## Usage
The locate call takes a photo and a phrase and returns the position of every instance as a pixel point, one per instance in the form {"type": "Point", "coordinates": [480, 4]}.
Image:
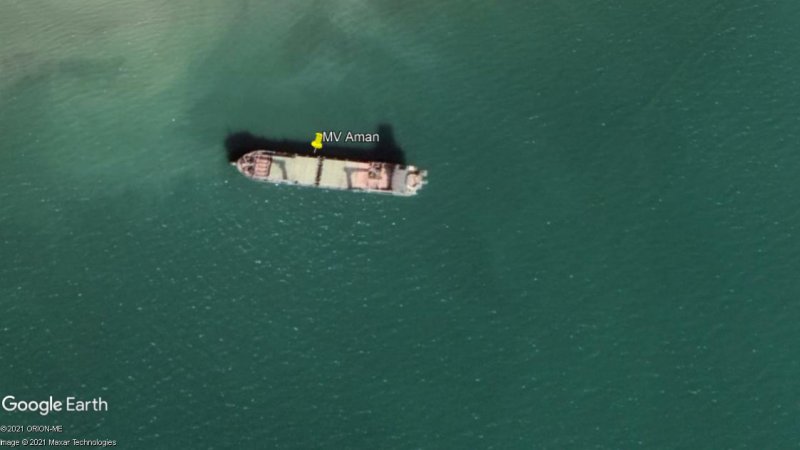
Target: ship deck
{"type": "Point", "coordinates": [317, 171]}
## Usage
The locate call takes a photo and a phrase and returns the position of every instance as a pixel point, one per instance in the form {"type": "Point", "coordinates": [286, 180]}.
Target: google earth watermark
{"type": "Point", "coordinates": [45, 407]}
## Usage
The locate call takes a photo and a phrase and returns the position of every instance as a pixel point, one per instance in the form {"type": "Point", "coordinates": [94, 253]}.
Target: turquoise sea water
{"type": "Point", "coordinates": [606, 255]}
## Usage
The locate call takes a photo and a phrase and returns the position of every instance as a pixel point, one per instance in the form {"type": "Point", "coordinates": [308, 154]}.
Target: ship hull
{"type": "Point", "coordinates": [326, 173]}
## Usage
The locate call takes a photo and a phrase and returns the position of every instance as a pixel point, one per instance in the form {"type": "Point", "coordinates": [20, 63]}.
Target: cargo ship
{"type": "Point", "coordinates": [328, 173]}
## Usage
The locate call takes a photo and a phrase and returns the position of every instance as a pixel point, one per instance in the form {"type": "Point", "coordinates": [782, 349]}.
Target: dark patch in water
{"type": "Point", "coordinates": [387, 150]}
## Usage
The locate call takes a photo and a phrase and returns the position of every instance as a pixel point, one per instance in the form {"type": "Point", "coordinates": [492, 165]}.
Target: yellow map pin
{"type": "Point", "coordinates": [317, 142]}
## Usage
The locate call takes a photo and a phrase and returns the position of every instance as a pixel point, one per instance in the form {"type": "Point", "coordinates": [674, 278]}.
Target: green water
{"type": "Point", "coordinates": [605, 257]}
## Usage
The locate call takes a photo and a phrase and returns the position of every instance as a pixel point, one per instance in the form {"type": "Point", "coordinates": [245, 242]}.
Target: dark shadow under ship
{"type": "Point", "coordinates": [386, 150]}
